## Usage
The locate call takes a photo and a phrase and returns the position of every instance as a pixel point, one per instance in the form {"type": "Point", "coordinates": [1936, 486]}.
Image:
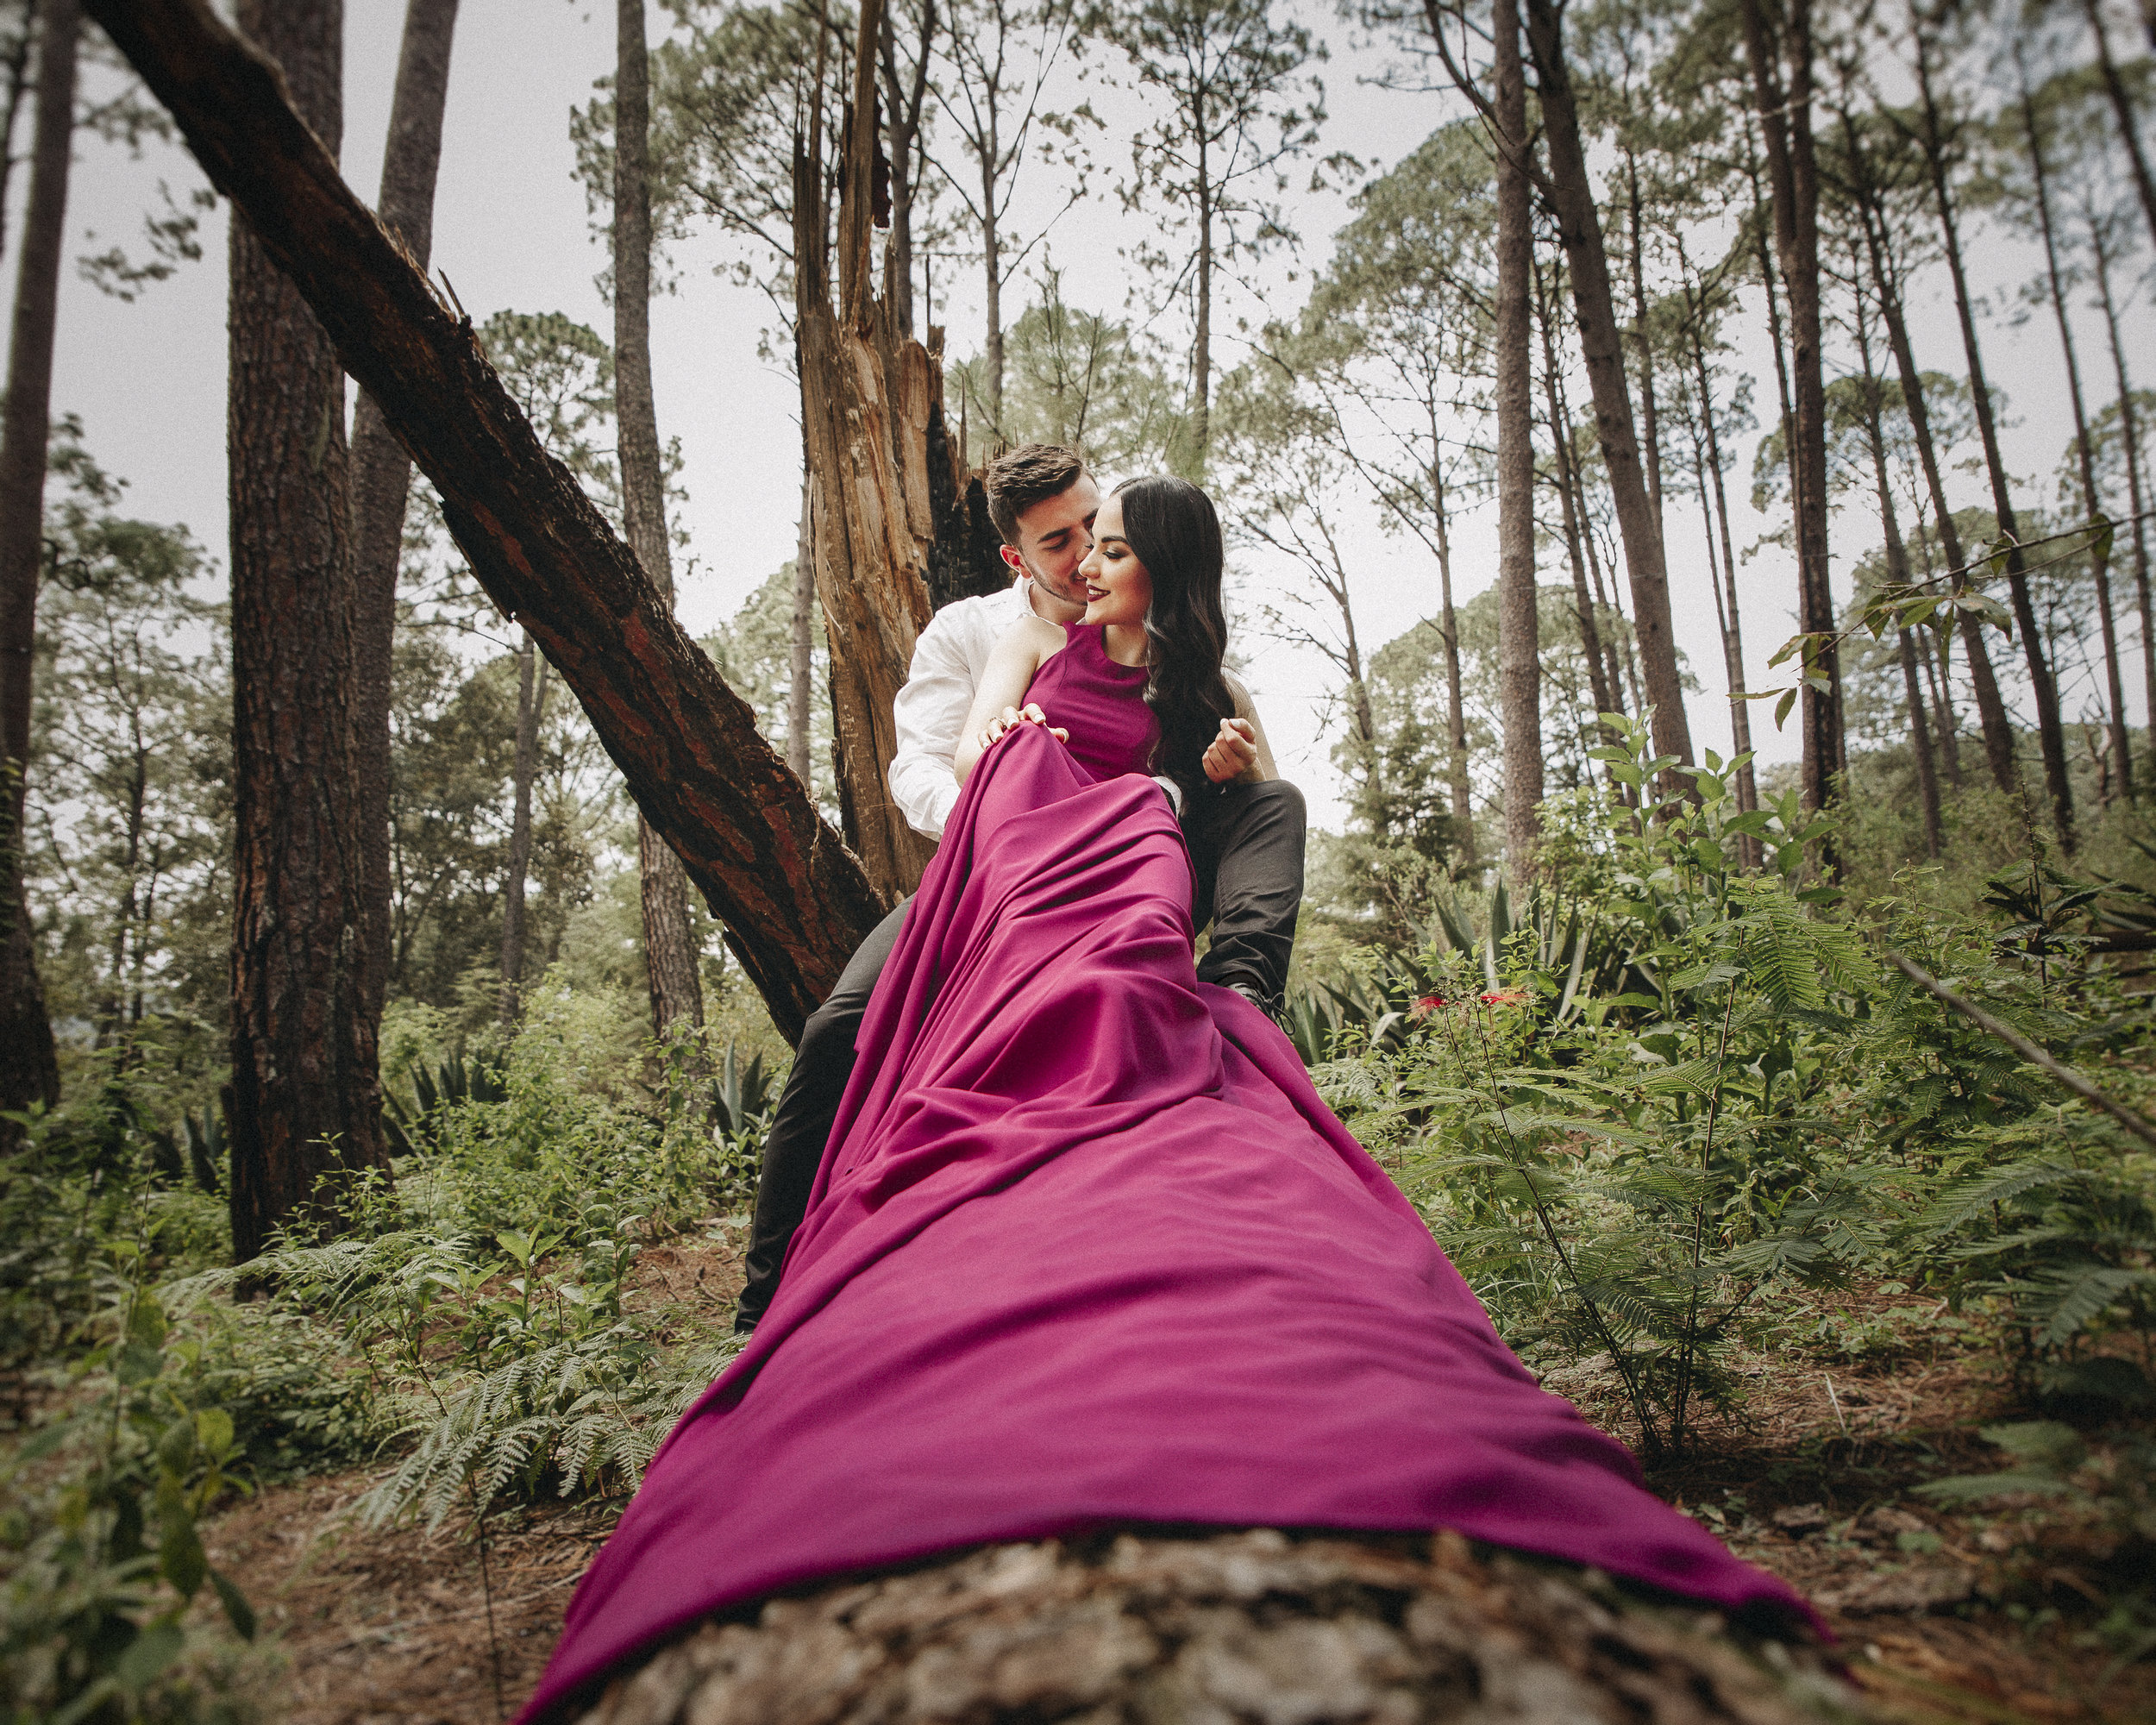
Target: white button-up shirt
{"type": "Point", "coordinates": [949, 658]}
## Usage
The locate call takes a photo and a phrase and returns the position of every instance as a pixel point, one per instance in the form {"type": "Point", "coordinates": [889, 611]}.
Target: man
{"type": "Point", "coordinates": [1246, 840]}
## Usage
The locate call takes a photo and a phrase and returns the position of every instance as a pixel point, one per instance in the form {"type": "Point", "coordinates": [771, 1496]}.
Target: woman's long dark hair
{"type": "Point", "coordinates": [1173, 529]}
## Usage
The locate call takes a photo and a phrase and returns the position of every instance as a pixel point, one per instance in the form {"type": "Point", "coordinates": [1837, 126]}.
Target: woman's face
{"type": "Point", "coordinates": [1118, 589]}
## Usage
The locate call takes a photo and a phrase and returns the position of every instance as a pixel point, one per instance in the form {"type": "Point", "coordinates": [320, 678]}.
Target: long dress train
{"type": "Point", "coordinates": [1088, 1249]}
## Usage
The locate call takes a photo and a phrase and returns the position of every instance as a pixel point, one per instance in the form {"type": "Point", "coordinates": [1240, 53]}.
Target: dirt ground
{"type": "Point", "coordinates": [392, 1628]}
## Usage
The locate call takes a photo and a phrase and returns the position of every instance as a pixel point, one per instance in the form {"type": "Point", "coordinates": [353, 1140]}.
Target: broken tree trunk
{"type": "Point", "coordinates": [795, 901]}
{"type": "Point", "coordinates": [871, 415]}
{"type": "Point", "coordinates": [1230, 1626]}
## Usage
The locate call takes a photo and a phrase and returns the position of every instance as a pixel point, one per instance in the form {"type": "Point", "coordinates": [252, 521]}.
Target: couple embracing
{"type": "Point", "coordinates": [1068, 1240]}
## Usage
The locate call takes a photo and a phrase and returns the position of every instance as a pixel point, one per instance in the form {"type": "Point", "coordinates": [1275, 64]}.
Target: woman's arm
{"type": "Point", "coordinates": [1003, 686]}
{"type": "Point", "coordinates": [1240, 755]}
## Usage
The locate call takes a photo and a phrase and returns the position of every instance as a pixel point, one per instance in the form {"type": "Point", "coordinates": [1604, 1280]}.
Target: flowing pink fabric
{"type": "Point", "coordinates": [1088, 1249]}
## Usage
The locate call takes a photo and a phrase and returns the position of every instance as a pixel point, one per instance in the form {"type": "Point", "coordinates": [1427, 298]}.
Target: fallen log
{"type": "Point", "coordinates": [794, 900]}
{"type": "Point", "coordinates": [1252, 1626]}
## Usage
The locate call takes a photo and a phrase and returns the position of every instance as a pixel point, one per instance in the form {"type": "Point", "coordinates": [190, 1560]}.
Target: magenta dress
{"type": "Point", "coordinates": [1088, 1249]}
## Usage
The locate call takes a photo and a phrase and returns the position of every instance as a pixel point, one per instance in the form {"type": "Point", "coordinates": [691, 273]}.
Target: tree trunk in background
{"type": "Point", "coordinates": [670, 958]}
{"type": "Point", "coordinates": [2123, 109]}
{"type": "Point", "coordinates": [800, 702]}
{"type": "Point", "coordinates": [1561, 443]}
{"type": "Point", "coordinates": [381, 472]}
{"type": "Point", "coordinates": [29, 1068]}
{"type": "Point", "coordinates": [1572, 198]}
{"type": "Point", "coordinates": [2129, 434]}
{"type": "Point", "coordinates": [1519, 661]}
{"type": "Point", "coordinates": [1650, 432]}
{"type": "Point", "coordinates": [1781, 79]}
{"type": "Point", "coordinates": [19, 87]}
{"type": "Point", "coordinates": [872, 414]}
{"type": "Point", "coordinates": [2050, 733]}
{"type": "Point", "coordinates": [1991, 714]}
{"type": "Point", "coordinates": [305, 1099]}
{"type": "Point", "coordinates": [531, 694]}
{"type": "Point", "coordinates": [1732, 624]}
{"type": "Point", "coordinates": [1455, 704]}
{"type": "Point", "coordinates": [795, 900]}
{"type": "Point", "coordinates": [903, 96]}
{"type": "Point", "coordinates": [1897, 567]}
{"type": "Point", "coordinates": [2099, 550]}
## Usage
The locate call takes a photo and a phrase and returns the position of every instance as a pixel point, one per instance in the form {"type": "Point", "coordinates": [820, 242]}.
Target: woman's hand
{"type": "Point", "coordinates": [1012, 717]}
{"type": "Point", "coordinates": [1233, 753]}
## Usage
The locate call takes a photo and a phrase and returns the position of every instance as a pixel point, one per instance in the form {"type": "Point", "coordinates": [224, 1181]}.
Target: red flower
{"type": "Point", "coordinates": [1508, 997]}
{"type": "Point", "coordinates": [1429, 1004]}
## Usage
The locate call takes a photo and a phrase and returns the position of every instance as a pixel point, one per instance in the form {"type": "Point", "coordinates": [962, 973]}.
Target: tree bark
{"type": "Point", "coordinates": [30, 1068]}
{"type": "Point", "coordinates": [1780, 50]}
{"type": "Point", "coordinates": [305, 1096]}
{"type": "Point", "coordinates": [670, 960]}
{"type": "Point", "coordinates": [1571, 196]}
{"type": "Point", "coordinates": [1211, 1626]}
{"type": "Point", "coordinates": [381, 472]}
{"type": "Point", "coordinates": [1991, 715]}
{"type": "Point", "coordinates": [2050, 734]}
{"type": "Point", "coordinates": [800, 705]}
{"type": "Point", "coordinates": [871, 413]}
{"type": "Point", "coordinates": [2129, 434]}
{"type": "Point", "coordinates": [1518, 663]}
{"type": "Point", "coordinates": [531, 694]}
{"type": "Point", "coordinates": [795, 901]}
{"type": "Point", "coordinates": [2100, 548]}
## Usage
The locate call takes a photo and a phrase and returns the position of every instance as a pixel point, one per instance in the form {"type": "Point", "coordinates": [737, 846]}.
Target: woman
{"type": "Point", "coordinates": [1087, 1248]}
{"type": "Point", "coordinates": [1162, 635]}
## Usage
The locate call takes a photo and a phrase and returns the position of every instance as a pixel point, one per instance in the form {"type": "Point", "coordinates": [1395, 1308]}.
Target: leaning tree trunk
{"type": "Point", "coordinates": [381, 472]}
{"type": "Point", "coordinates": [1785, 114]}
{"type": "Point", "coordinates": [1230, 1626]}
{"type": "Point", "coordinates": [30, 1068]}
{"type": "Point", "coordinates": [1571, 196]}
{"type": "Point", "coordinates": [795, 901]}
{"type": "Point", "coordinates": [1519, 664]}
{"type": "Point", "coordinates": [305, 1097]}
{"type": "Point", "coordinates": [670, 964]}
{"type": "Point", "coordinates": [871, 408]}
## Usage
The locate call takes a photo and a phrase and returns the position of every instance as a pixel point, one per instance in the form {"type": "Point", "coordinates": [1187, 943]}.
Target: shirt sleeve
{"type": "Point", "coordinates": [930, 711]}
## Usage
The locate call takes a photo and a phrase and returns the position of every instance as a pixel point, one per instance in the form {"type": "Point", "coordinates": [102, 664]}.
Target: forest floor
{"type": "Point", "coordinates": [1814, 1482]}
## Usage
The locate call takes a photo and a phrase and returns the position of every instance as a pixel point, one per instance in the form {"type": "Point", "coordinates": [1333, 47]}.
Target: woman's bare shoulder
{"type": "Point", "coordinates": [1033, 636]}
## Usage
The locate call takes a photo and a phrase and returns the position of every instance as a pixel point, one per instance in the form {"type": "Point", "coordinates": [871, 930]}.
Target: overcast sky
{"type": "Point", "coordinates": [511, 231]}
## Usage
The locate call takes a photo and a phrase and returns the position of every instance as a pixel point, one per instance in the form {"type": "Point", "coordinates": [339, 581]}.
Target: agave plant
{"type": "Point", "coordinates": [455, 1081]}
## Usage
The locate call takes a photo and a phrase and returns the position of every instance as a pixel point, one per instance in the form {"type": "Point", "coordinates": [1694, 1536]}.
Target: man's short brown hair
{"type": "Point", "coordinates": [1019, 478]}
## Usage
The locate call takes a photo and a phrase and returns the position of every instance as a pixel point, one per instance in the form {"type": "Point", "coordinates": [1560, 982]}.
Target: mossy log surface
{"type": "Point", "coordinates": [1146, 1628]}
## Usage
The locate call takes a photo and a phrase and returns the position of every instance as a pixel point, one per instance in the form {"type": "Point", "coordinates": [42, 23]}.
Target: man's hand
{"type": "Point", "coordinates": [1233, 753]}
{"type": "Point", "coordinates": [1012, 717]}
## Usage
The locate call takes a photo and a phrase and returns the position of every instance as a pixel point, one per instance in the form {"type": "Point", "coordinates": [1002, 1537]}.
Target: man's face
{"type": "Point", "coordinates": [1054, 537]}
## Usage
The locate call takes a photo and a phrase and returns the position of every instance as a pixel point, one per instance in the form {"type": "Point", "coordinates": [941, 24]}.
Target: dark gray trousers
{"type": "Point", "coordinates": [1246, 857]}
